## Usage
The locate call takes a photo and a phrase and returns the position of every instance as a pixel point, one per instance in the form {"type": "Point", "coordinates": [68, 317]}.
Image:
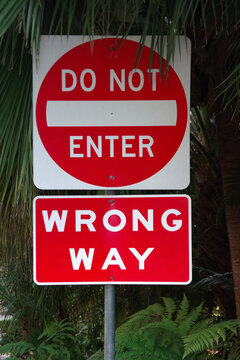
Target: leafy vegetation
{"type": "Point", "coordinates": [213, 27]}
{"type": "Point", "coordinates": [55, 342]}
{"type": "Point", "coordinates": [37, 312]}
{"type": "Point", "coordinates": [170, 331]}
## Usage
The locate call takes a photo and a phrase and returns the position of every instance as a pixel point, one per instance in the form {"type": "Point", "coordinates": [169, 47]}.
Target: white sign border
{"type": "Point", "coordinates": [114, 282]}
{"type": "Point", "coordinates": [57, 178]}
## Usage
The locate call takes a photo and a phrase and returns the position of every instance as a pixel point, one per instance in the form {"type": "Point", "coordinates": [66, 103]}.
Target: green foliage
{"type": "Point", "coordinates": [211, 256]}
{"type": "Point", "coordinates": [99, 355]}
{"type": "Point", "coordinates": [33, 308]}
{"type": "Point", "coordinates": [234, 353]}
{"type": "Point", "coordinates": [207, 23]}
{"type": "Point", "coordinates": [172, 331]}
{"type": "Point", "coordinates": [22, 23]}
{"type": "Point", "coordinates": [156, 331]}
{"type": "Point", "coordinates": [209, 337]}
{"type": "Point", "coordinates": [17, 349]}
{"type": "Point", "coordinates": [56, 342]}
{"type": "Point", "coordinates": [213, 279]}
{"type": "Point", "coordinates": [141, 319]}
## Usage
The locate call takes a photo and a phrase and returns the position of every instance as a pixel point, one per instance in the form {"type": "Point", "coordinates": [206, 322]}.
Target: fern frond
{"type": "Point", "coordinates": [163, 354]}
{"type": "Point", "coordinates": [154, 338]}
{"type": "Point", "coordinates": [199, 325]}
{"type": "Point", "coordinates": [58, 331]}
{"type": "Point", "coordinates": [197, 342]}
{"type": "Point", "coordinates": [97, 356]}
{"type": "Point", "coordinates": [150, 345]}
{"type": "Point", "coordinates": [136, 321]}
{"type": "Point", "coordinates": [183, 310]}
{"type": "Point", "coordinates": [190, 320]}
{"type": "Point", "coordinates": [17, 348]}
{"type": "Point", "coordinates": [206, 338]}
{"type": "Point", "coordinates": [53, 351]}
{"type": "Point", "coordinates": [135, 344]}
{"type": "Point", "coordinates": [166, 324]}
{"type": "Point", "coordinates": [170, 307]}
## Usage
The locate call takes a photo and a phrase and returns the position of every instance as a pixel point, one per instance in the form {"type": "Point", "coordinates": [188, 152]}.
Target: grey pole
{"type": "Point", "coordinates": [109, 315]}
{"type": "Point", "coordinates": [109, 323]}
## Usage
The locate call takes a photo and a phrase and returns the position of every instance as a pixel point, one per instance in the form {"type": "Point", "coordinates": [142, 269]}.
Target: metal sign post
{"type": "Point", "coordinates": [138, 127]}
{"type": "Point", "coordinates": [109, 322]}
{"type": "Point", "coordinates": [109, 314]}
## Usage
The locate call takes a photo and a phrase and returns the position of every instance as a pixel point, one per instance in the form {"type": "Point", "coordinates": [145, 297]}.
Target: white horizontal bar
{"type": "Point", "coordinates": [112, 113]}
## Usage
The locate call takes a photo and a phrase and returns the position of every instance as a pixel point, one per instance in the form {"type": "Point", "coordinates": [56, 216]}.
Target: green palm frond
{"type": "Point", "coordinates": [213, 278]}
{"type": "Point", "coordinates": [202, 137]}
{"type": "Point", "coordinates": [230, 89]}
{"type": "Point", "coordinates": [206, 155]}
{"type": "Point", "coordinates": [10, 10]}
{"type": "Point", "coordinates": [15, 140]}
{"type": "Point", "coordinates": [24, 21]}
{"type": "Point", "coordinates": [21, 24]}
{"type": "Point", "coordinates": [155, 17]}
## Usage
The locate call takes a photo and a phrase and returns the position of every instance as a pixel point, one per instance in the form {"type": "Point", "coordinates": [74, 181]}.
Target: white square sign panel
{"type": "Point", "coordinates": [104, 121]}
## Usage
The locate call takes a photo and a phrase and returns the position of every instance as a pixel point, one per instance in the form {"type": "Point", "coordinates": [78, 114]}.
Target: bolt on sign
{"type": "Point", "coordinates": [101, 120]}
{"type": "Point", "coordinates": [119, 240]}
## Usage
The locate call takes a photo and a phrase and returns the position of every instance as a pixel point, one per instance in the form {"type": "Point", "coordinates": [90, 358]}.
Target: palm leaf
{"type": "Point", "coordinates": [21, 24]}
{"type": "Point", "coordinates": [15, 140]}
{"type": "Point", "coordinates": [225, 281]}
{"type": "Point", "coordinates": [229, 90]}
{"type": "Point", "coordinates": [31, 18]}
{"type": "Point", "coordinates": [9, 12]}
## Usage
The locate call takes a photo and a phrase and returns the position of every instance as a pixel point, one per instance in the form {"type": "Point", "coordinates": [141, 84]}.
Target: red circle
{"type": "Point", "coordinates": [109, 171]}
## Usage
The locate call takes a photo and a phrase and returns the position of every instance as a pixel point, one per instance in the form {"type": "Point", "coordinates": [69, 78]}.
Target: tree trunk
{"type": "Point", "coordinates": [233, 226]}
{"type": "Point", "coordinates": [229, 138]}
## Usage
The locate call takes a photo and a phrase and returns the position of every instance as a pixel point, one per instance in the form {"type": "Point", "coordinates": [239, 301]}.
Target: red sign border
{"type": "Point", "coordinates": [114, 282]}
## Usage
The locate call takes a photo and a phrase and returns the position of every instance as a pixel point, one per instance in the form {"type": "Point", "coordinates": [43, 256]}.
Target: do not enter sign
{"type": "Point", "coordinates": [101, 121]}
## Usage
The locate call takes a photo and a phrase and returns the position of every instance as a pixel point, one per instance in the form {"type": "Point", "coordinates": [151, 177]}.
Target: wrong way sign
{"type": "Point", "coordinates": [121, 239]}
{"type": "Point", "coordinates": [101, 121]}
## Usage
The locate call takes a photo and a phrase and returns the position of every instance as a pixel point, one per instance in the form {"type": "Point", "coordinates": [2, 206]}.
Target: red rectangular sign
{"type": "Point", "coordinates": [112, 239]}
